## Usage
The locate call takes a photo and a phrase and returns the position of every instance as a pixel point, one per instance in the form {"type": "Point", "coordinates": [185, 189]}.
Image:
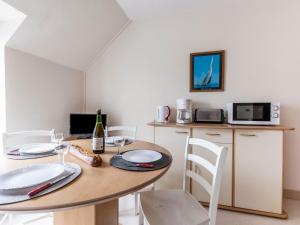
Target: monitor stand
{"type": "Point", "coordinates": [85, 136]}
{"type": "Point", "coordinates": [78, 136]}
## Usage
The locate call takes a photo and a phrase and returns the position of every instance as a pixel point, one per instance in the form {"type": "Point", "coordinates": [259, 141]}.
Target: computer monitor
{"type": "Point", "coordinates": [83, 124]}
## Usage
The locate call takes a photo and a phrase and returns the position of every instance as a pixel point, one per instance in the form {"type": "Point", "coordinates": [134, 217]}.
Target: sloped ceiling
{"type": "Point", "coordinates": [68, 32]}
{"type": "Point", "coordinates": [145, 9]}
{"type": "Point", "coordinates": [10, 19]}
{"type": "Point", "coordinates": [8, 13]}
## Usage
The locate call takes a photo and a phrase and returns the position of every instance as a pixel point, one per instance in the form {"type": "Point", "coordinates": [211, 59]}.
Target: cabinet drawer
{"type": "Point", "coordinates": [214, 135]}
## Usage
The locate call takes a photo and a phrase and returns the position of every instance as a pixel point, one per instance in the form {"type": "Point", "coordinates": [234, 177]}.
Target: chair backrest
{"type": "Point", "coordinates": [25, 134]}
{"type": "Point", "coordinates": [213, 188]}
{"type": "Point", "coordinates": [132, 130]}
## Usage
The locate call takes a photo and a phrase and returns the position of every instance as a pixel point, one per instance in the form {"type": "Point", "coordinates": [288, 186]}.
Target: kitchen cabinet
{"type": "Point", "coordinates": [252, 179]}
{"type": "Point", "coordinates": [258, 170]}
{"type": "Point", "coordinates": [174, 140]}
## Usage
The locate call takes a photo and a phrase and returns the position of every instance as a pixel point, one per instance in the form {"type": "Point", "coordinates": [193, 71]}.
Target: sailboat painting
{"type": "Point", "coordinates": [207, 71]}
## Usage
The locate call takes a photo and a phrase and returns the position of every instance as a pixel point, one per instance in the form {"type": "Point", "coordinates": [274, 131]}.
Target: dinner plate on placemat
{"type": "Point", "coordinates": [37, 148]}
{"type": "Point", "coordinates": [17, 155]}
{"type": "Point", "coordinates": [22, 196]}
{"type": "Point", "coordinates": [141, 156]}
{"type": "Point", "coordinates": [29, 176]}
{"type": "Point", "coordinates": [119, 162]}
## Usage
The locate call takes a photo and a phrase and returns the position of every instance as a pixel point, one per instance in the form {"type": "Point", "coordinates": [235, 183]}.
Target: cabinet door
{"type": "Point", "coordinates": [225, 197]}
{"type": "Point", "coordinates": [173, 139]}
{"type": "Point", "coordinates": [258, 170]}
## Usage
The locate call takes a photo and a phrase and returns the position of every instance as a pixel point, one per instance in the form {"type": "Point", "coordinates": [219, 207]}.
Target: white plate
{"type": "Point", "coordinates": [30, 176]}
{"type": "Point", "coordinates": [38, 148]}
{"type": "Point", "coordinates": [141, 156]}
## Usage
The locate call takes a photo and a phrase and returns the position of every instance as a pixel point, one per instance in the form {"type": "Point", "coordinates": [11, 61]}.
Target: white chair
{"type": "Point", "coordinates": [179, 207]}
{"type": "Point", "coordinates": [128, 129]}
{"type": "Point", "coordinates": [131, 130]}
{"type": "Point", "coordinates": [23, 134]}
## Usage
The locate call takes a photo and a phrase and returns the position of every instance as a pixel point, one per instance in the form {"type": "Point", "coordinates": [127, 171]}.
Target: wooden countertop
{"type": "Point", "coordinates": [220, 126]}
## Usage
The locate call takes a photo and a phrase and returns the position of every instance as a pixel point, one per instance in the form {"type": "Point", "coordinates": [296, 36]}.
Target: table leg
{"type": "Point", "coordinates": [101, 214]}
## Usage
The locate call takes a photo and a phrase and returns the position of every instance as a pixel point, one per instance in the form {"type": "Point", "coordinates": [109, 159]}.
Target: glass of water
{"type": "Point", "coordinates": [120, 142]}
{"type": "Point", "coordinates": [62, 152]}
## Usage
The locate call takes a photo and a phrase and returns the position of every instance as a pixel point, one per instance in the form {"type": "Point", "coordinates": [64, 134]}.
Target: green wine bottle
{"type": "Point", "coordinates": [98, 136]}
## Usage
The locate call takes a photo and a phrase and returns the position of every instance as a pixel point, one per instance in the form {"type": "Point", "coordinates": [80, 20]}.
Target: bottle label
{"type": "Point", "coordinates": [98, 144]}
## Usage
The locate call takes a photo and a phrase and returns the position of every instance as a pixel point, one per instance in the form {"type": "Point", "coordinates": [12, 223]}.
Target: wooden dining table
{"type": "Point", "coordinates": [92, 199]}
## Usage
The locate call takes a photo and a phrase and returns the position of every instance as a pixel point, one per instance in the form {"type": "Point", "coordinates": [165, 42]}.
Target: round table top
{"type": "Point", "coordinates": [95, 184]}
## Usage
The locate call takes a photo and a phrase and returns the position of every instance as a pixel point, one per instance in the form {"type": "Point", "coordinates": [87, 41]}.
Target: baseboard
{"type": "Point", "coordinates": [291, 194]}
{"type": "Point", "coordinates": [282, 215]}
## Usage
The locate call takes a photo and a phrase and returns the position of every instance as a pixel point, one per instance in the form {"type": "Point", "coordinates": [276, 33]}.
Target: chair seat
{"type": "Point", "coordinates": [176, 207]}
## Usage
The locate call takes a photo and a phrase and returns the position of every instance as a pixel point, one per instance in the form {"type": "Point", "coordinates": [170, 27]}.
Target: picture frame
{"type": "Point", "coordinates": [207, 71]}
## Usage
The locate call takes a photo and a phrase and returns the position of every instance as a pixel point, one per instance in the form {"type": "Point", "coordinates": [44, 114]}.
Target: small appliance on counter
{"type": "Point", "coordinates": [254, 113]}
{"type": "Point", "coordinates": [184, 110]}
{"type": "Point", "coordinates": [209, 115]}
{"type": "Point", "coordinates": [162, 114]}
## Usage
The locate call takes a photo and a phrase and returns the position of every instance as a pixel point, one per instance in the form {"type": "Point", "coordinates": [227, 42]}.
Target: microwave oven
{"type": "Point", "coordinates": [258, 113]}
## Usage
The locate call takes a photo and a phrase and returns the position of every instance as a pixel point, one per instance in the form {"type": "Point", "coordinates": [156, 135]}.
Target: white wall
{"type": "Point", "coordinates": [10, 19]}
{"type": "Point", "coordinates": [148, 65]}
{"type": "Point", "coordinates": [39, 93]}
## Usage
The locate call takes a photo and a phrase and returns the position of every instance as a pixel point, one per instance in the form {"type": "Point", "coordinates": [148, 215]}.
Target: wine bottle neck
{"type": "Point", "coordinates": [99, 118]}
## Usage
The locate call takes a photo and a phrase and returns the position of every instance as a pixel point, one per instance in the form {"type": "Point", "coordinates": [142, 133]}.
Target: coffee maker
{"type": "Point", "coordinates": [184, 110]}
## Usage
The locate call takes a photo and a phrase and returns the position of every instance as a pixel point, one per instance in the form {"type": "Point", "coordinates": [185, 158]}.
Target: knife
{"type": "Point", "coordinates": [43, 187]}
{"type": "Point", "coordinates": [142, 165]}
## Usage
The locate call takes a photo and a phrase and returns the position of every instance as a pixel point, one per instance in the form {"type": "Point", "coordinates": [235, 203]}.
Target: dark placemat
{"type": "Point", "coordinates": [118, 162]}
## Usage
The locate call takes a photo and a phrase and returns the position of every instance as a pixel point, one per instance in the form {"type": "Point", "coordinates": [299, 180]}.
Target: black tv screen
{"type": "Point", "coordinates": [84, 123]}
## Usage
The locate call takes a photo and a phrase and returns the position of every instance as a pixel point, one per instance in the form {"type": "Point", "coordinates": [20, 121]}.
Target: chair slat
{"type": "Point", "coordinates": [122, 128]}
{"type": "Point", "coordinates": [203, 162]}
{"type": "Point", "coordinates": [206, 144]}
{"type": "Point", "coordinates": [200, 180]}
{"type": "Point", "coordinates": [29, 133]}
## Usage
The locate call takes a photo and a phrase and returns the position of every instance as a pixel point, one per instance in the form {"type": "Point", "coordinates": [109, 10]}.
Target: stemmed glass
{"type": "Point", "coordinates": [120, 142]}
{"type": "Point", "coordinates": [62, 152]}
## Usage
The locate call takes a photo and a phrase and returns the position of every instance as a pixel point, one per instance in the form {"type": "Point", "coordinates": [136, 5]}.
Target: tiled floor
{"type": "Point", "coordinates": [224, 217]}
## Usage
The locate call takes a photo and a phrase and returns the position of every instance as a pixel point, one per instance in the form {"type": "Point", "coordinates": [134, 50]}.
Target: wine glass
{"type": "Point", "coordinates": [62, 152]}
{"type": "Point", "coordinates": [120, 142]}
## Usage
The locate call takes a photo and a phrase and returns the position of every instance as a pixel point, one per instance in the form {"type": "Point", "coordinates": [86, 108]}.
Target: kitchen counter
{"type": "Point", "coordinates": [221, 126]}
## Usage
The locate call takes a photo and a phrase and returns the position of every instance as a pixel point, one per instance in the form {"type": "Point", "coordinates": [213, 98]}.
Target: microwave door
{"type": "Point", "coordinates": [252, 112]}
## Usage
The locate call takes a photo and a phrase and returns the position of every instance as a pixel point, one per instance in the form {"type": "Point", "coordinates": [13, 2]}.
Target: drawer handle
{"type": "Point", "coordinates": [181, 132]}
{"type": "Point", "coordinates": [213, 134]}
{"type": "Point", "coordinates": [248, 135]}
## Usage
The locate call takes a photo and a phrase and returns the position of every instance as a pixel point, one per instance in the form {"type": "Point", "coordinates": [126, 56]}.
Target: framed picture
{"type": "Point", "coordinates": [207, 71]}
